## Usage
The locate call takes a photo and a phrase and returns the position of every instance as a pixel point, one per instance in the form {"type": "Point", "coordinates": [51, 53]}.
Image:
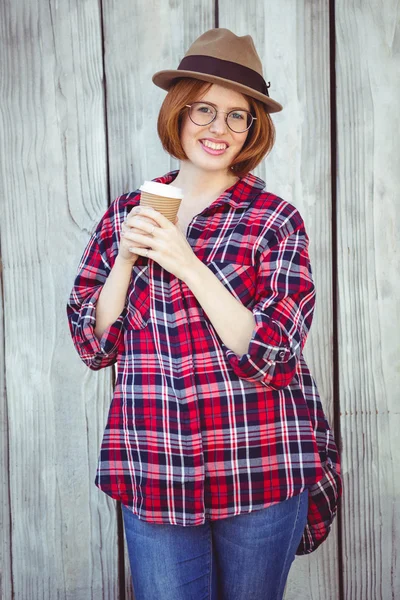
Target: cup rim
{"type": "Point", "coordinates": [162, 189]}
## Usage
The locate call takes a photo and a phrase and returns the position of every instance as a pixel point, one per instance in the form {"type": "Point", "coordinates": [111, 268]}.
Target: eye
{"type": "Point", "coordinates": [204, 108]}
{"type": "Point", "coordinates": [238, 116]}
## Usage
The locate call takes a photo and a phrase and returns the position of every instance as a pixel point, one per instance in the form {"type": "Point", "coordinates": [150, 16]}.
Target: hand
{"type": "Point", "coordinates": [167, 245]}
{"type": "Point", "coordinates": [126, 241]}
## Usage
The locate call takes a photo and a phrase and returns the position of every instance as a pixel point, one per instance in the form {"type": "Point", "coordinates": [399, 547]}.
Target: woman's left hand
{"type": "Point", "coordinates": [168, 246]}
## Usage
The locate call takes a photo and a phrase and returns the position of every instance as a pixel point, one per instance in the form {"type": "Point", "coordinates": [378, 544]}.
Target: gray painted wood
{"type": "Point", "coordinates": [63, 536]}
{"type": "Point", "coordinates": [59, 533]}
{"type": "Point", "coordinates": [368, 92]}
{"type": "Point", "coordinates": [293, 43]}
{"type": "Point", "coordinates": [133, 101]}
{"type": "Point", "coordinates": [5, 508]}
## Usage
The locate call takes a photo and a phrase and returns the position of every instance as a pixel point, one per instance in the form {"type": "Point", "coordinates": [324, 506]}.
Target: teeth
{"type": "Point", "coordinates": [214, 146]}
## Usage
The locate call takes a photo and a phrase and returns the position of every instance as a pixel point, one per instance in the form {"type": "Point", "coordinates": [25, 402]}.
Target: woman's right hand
{"type": "Point", "coordinates": [126, 242]}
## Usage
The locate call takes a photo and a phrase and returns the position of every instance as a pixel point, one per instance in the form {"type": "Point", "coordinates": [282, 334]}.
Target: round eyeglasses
{"type": "Point", "coordinates": [202, 113]}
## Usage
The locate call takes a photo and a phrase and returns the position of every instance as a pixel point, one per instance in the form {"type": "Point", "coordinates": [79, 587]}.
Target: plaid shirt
{"type": "Point", "coordinates": [194, 431]}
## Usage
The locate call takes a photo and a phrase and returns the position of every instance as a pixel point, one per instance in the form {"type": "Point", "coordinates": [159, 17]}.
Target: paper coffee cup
{"type": "Point", "coordinates": [164, 198]}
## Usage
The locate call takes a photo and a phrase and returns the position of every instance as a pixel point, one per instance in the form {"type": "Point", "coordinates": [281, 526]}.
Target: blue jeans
{"type": "Point", "coordinates": [245, 557]}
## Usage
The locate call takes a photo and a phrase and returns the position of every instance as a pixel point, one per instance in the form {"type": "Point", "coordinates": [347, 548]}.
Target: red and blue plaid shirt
{"type": "Point", "coordinates": [194, 431]}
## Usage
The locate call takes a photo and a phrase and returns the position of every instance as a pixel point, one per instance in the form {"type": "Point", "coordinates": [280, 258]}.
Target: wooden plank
{"type": "Point", "coordinates": [5, 510]}
{"type": "Point", "coordinates": [64, 542]}
{"type": "Point", "coordinates": [133, 101]}
{"type": "Point", "coordinates": [368, 91]}
{"type": "Point", "coordinates": [292, 39]}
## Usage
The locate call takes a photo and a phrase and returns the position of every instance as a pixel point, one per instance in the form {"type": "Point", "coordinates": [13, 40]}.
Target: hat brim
{"type": "Point", "coordinates": [164, 79]}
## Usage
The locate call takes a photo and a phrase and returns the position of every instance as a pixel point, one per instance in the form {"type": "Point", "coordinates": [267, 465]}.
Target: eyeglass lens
{"type": "Point", "coordinates": [202, 113]}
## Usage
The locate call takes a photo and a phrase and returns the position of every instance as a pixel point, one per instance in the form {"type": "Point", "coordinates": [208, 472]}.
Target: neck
{"type": "Point", "coordinates": [196, 182]}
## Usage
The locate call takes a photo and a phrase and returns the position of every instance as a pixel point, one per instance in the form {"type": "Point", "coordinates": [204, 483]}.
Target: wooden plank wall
{"type": "Point", "coordinates": [63, 539]}
{"type": "Point", "coordinates": [368, 176]}
{"type": "Point", "coordinates": [78, 117]}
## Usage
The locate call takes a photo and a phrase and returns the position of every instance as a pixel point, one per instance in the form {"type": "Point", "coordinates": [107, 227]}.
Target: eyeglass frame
{"type": "Point", "coordinates": [222, 111]}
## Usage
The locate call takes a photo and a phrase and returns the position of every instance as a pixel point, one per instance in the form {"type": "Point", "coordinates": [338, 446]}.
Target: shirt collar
{"type": "Point", "coordinates": [240, 194]}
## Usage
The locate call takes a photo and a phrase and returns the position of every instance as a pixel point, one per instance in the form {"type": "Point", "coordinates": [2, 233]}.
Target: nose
{"type": "Point", "coordinates": [219, 124]}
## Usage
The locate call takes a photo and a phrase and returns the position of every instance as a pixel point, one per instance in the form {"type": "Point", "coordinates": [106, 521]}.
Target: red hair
{"type": "Point", "coordinates": [260, 138]}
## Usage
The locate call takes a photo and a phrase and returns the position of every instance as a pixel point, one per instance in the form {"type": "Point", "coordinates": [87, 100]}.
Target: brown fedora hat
{"type": "Point", "coordinates": [219, 56]}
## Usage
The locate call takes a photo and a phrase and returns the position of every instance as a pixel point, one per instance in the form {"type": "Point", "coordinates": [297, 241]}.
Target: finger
{"type": "Point", "coordinates": [139, 237]}
{"type": "Point", "coordinates": [156, 216]}
{"type": "Point", "coordinates": [125, 228]}
{"type": "Point", "coordinates": [131, 221]}
{"type": "Point", "coordinates": [127, 231]}
{"type": "Point", "coordinates": [130, 233]}
{"type": "Point", "coordinates": [143, 224]}
{"type": "Point", "coordinates": [132, 212]}
{"type": "Point", "coordinates": [129, 243]}
{"type": "Point", "coordinates": [140, 251]}
{"type": "Point", "coordinates": [126, 238]}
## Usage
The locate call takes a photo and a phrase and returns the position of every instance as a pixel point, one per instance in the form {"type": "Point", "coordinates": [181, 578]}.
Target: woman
{"type": "Point", "coordinates": [216, 442]}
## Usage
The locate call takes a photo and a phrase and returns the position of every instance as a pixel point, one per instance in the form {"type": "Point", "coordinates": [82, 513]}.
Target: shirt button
{"type": "Point", "coordinates": [282, 353]}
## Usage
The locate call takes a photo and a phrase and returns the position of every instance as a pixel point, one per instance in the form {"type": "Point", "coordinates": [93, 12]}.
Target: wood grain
{"type": "Point", "coordinates": [74, 138]}
{"type": "Point", "coordinates": [5, 510]}
{"type": "Point", "coordinates": [63, 536]}
{"type": "Point", "coordinates": [293, 43]}
{"type": "Point", "coordinates": [368, 93]}
{"type": "Point", "coordinates": [133, 101]}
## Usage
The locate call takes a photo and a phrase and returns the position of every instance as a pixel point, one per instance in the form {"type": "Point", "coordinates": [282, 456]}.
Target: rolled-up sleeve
{"type": "Point", "coordinates": [93, 271]}
{"type": "Point", "coordinates": [283, 311]}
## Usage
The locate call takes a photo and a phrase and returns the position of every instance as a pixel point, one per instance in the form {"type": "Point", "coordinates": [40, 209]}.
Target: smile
{"type": "Point", "coordinates": [211, 148]}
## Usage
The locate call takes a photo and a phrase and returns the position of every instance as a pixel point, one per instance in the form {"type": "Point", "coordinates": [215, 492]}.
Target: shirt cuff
{"type": "Point", "coordinates": [108, 343]}
{"type": "Point", "coordinates": [265, 350]}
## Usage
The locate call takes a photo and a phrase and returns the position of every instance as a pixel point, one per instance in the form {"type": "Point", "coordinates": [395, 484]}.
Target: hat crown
{"type": "Point", "coordinates": [221, 57]}
{"type": "Point", "coordinates": [224, 44]}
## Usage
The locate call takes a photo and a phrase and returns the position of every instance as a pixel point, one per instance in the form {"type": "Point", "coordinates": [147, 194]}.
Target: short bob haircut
{"type": "Point", "coordinates": [260, 138]}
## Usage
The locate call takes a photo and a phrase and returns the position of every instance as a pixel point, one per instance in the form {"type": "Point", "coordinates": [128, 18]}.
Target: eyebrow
{"type": "Point", "coordinates": [229, 108]}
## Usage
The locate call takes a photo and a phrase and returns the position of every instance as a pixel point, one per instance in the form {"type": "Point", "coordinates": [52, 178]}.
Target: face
{"type": "Point", "coordinates": [193, 136]}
